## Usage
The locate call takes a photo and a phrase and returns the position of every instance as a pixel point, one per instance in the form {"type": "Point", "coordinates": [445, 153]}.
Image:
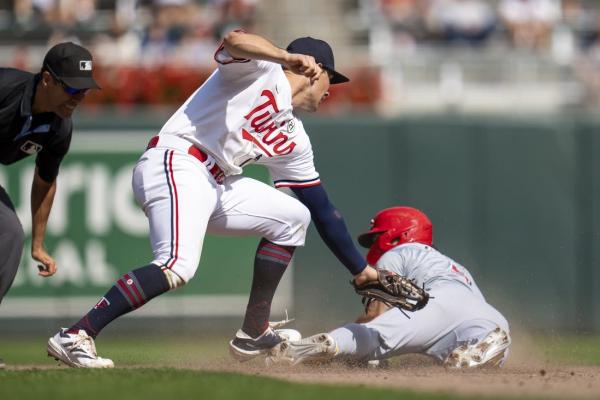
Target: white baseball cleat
{"type": "Point", "coordinates": [291, 335]}
{"type": "Point", "coordinates": [319, 347]}
{"type": "Point", "coordinates": [76, 350]}
{"type": "Point", "coordinates": [491, 351]}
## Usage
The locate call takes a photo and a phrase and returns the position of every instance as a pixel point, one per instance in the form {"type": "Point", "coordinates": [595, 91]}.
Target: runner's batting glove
{"type": "Point", "coordinates": [394, 290]}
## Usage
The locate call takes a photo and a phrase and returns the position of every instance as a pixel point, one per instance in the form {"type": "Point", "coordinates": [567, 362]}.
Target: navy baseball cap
{"type": "Point", "coordinates": [72, 64]}
{"type": "Point", "coordinates": [322, 53]}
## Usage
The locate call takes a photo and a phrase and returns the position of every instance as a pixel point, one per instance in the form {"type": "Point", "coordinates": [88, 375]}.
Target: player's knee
{"type": "Point", "coordinates": [175, 281]}
{"type": "Point", "coordinates": [300, 216]}
{"type": "Point", "coordinates": [179, 270]}
{"type": "Point", "coordinates": [299, 220]}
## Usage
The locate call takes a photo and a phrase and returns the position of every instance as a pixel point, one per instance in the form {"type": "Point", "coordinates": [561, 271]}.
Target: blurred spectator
{"type": "Point", "coordinates": [198, 44]}
{"type": "Point", "coordinates": [461, 21]}
{"type": "Point", "coordinates": [235, 14]}
{"type": "Point", "coordinates": [165, 30]}
{"type": "Point", "coordinates": [29, 14]}
{"type": "Point", "coordinates": [405, 19]}
{"type": "Point", "coordinates": [119, 46]}
{"type": "Point", "coordinates": [583, 20]}
{"type": "Point", "coordinates": [587, 65]}
{"type": "Point", "coordinates": [587, 70]}
{"type": "Point", "coordinates": [529, 22]}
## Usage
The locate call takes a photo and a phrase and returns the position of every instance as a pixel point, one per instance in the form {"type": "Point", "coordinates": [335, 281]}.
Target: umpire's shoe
{"type": "Point", "coordinates": [76, 350]}
{"type": "Point", "coordinates": [243, 347]}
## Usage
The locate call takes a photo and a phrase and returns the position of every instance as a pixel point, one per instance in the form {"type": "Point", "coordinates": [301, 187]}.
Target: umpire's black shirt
{"type": "Point", "coordinates": [23, 134]}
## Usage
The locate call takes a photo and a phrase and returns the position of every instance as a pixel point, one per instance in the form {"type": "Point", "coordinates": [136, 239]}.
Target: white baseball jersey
{"type": "Point", "coordinates": [456, 313]}
{"type": "Point", "coordinates": [243, 114]}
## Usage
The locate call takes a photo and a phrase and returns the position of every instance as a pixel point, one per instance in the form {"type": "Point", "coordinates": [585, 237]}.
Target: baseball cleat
{"type": "Point", "coordinates": [76, 350]}
{"type": "Point", "coordinates": [244, 347]}
{"type": "Point", "coordinates": [291, 335]}
{"type": "Point", "coordinates": [320, 347]}
{"type": "Point", "coordinates": [489, 352]}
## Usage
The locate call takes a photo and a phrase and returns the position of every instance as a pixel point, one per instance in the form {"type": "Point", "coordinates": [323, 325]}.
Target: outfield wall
{"type": "Point", "coordinates": [515, 200]}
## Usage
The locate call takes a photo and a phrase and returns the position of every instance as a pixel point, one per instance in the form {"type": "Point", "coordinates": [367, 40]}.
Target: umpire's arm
{"type": "Point", "coordinates": [42, 197]}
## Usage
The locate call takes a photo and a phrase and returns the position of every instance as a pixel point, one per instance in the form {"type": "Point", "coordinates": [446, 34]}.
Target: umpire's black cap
{"type": "Point", "coordinates": [322, 53]}
{"type": "Point", "coordinates": [72, 64]}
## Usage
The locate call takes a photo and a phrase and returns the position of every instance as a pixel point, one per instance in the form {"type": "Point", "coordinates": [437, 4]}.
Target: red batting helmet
{"type": "Point", "coordinates": [394, 226]}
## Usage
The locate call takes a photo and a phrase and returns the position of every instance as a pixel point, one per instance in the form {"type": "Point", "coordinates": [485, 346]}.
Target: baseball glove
{"type": "Point", "coordinates": [394, 290]}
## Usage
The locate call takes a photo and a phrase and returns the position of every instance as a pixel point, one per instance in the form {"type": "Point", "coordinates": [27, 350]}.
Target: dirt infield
{"type": "Point", "coordinates": [525, 374]}
{"type": "Point", "coordinates": [528, 372]}
{"type": "Point", "coordinates": [542, 381]}
{"type": "Point", "coordinates": [552, 382]}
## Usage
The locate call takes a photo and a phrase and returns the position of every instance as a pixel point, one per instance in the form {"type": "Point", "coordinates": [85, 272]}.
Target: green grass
{"type": "Point", "coordinates": [571, 349]}
{"type": "Point", "coordinates": [164, 384]}
{"type": "Point", "coordinates": [152, 351]}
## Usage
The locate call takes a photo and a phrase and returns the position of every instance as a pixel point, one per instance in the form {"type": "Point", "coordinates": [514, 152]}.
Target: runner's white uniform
{"type": "Point", "coordinates": [242, 114]}
{"type": "Point", "coordinates": [456, 314]}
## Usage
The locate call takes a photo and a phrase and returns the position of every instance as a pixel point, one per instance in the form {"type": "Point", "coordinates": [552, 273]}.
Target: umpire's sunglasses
{"type": "Point", "coordinates": [68, 89]}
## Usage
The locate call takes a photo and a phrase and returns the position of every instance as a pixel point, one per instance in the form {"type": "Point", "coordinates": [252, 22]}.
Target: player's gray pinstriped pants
{"type": "Point", "coordinates": [11, 243]}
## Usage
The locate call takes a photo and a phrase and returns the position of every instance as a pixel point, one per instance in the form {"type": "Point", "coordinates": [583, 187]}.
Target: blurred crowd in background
{"type": "Point", "coordinates": [158, 51]}
{"type": "Point", "coordinates": [140, 32]}
{"type": "Point", "coordinates": [521, 24]}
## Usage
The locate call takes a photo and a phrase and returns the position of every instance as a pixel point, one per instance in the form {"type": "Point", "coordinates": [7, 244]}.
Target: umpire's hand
{"type": "Point", "coordinates": [48, 265]}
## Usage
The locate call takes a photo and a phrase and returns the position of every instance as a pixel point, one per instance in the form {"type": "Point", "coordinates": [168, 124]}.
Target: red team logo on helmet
{"type": "Point", "coordinates": [394, 226]}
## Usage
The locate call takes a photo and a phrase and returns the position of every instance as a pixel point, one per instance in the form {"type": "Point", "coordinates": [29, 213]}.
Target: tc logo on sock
{"type": "Point", "coordinates": [102, 304]}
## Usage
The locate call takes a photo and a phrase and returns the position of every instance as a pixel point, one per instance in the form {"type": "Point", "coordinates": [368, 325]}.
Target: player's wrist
{"type": "Point", "coordinates": [366, 275]}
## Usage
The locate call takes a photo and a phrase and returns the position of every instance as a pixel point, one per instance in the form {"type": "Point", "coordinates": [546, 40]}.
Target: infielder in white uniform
{"type": "Point", "coordinates": [457, 326]}
{"type": "Point", "coordinates": [188, 183]}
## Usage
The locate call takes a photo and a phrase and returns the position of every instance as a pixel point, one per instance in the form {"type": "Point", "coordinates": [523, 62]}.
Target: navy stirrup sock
{"type": "Point", "coordinates": [270, 263]}
{"type": "Point", "coordinates": [132, 290]}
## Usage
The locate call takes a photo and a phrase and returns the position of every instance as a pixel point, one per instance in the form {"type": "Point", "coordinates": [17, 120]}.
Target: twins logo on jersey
{"type": "Point", "coordinates": [270, 134]}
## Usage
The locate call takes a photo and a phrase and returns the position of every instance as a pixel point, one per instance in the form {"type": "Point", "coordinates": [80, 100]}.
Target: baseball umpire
{"type": "Point", "coordinates": [188, 183]}
{"type": "Point", "coordinates": [456, 326]}
{"type": "Point", "coordinates": [35, 119]}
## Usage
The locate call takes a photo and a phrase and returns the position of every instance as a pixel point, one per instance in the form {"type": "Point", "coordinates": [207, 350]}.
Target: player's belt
{"type": "Point", "coordinates": [177, 143]}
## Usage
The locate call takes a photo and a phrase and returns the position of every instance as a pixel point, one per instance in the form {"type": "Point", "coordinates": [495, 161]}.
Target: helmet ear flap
{"type": "Point", "coordinates": [385, 241]}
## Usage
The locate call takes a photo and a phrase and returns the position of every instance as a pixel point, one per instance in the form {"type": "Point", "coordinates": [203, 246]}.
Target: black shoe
{"type": "Point", "coordinates": [244, 348]}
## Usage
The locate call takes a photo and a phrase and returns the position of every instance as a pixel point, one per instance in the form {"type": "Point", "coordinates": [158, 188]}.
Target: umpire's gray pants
{"type": "Point", "coordinates": [11, 243]}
